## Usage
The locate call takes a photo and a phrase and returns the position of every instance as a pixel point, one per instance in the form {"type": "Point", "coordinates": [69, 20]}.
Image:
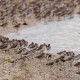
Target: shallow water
{"type": "Point", "coordinates": [62, 35]}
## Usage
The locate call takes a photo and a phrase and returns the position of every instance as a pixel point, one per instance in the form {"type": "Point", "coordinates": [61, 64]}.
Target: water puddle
{"type": "Point", "coordinates": [62, 35]}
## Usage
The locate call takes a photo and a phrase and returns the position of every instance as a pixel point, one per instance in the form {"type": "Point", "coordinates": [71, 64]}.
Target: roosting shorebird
{"type": "Point", "coordinates": [17, 26]}
{"type": "Point", "coordinates": [3, 39]}
{"type": "Point", "coordinates": [70, 53]}
{"type": "Point", "coordinates": [78, 66]}
{"type": "Point", "coordinates": [48, 47]}
{"type": "Point", "coordinates": [61, 58]}
{"type": "Point", "coordinates": [58, 59]}
{"type": "Point", "coordinates": [19, 51]}
{"type": "Point", "coordinates": [4, 24]}
{"type": "Point", "coordinates": [36, 46]}
{"type": "Point", "coordinates": [3, 45]}
{"type": "Point", "coordinates": [40, 55]}
{"type": "Point", "coordinates": [31, 45]}
{"type": "Point", "coordinates": [62, 52]}
{"type": "Point", "coordinates": [22, 51]}
{"type": "Point", "coordinates": [41, 48]}
{"type": "Point", "coordinates": [69, 56]}
{"type": "Point", "coordinates": [40, 51]}
{"type": "Point", "coordinates": [23, 43]}
{"type": "Point", "coordinates": [13, 44]}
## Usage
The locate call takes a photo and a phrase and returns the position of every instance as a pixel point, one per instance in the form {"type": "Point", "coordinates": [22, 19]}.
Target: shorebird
{"type": "Point", "coordinates": [41, 48]}
{"type": "Point", "coordinates": [13, 44]}
{"type": "Point", "coordinates": [17, 26]}
{"type": "Point", "coordinates": [57, 59]}
{"type": "Point", "coordinates": [61, 57]}
{"type": "Point", "coordinates": [35, 47]}
{"type": "Point", "coordinates": [4, 24]}
{"type": "Point", "coordinates": [78, 66]}
{"type": "Point", "coordinates": [69, 57]}
{"type": "Point", "coordinates": [22, 43]}
{"type": "Point", "coordinates": [4, 47]}
{"type": "Point", "coordinates": [19, 51]}
{"type": "Point", "coordinates": [32, 45]}
{"type": "Point", "coordinates": [3, 39]}
{"type": "Point", "coordinates": [40, 51]}
{"type": "Point", "coordinates": [48, 47]}
{"type": "Point", "coordinates": [24, 51]}
{"type": "Point", "coordinates": [76, 57]}
{"type": "Point", "coordinates": [70, 53]}
{"type": "Point", "coordinates": [39, 55]}
{"type": "Point", "coordinates": [62, 52]}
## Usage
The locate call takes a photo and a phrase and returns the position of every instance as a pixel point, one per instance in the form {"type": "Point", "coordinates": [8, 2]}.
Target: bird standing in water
{"type": "Point", "coordinates": [48, 47]}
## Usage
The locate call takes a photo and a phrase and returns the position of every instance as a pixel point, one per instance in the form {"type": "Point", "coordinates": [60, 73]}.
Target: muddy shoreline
{"type": "Point", "coordinates": [19, 65]}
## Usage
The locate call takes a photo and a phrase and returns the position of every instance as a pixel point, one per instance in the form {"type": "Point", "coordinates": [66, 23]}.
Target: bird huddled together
{"type": "Point", "coordinates": [41, 9]}
{"type": "Point", "coordinates": [24, 48]}
{"type": "Point", "coordinates": [22, 45]}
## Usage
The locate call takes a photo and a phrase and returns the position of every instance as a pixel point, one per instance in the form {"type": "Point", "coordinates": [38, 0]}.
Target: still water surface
{"type": "Point", "coordinates": [62, 35]}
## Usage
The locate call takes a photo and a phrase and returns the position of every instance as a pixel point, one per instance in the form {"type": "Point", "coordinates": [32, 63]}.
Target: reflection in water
{"type": "Point", "coordinates": [62, 35]}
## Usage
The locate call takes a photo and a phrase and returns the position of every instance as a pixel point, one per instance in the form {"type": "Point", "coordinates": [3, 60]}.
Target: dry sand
{"type": "Point", "coordinates": [32, 68]}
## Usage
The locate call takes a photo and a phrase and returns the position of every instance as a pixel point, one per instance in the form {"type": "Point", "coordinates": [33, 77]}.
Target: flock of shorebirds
{"type": "Point", "coordinates": [41, 9]}
{"type": "Point", "coordinates": [6, 45]}
{"type": "Point", "coordinates": [25, 48]}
